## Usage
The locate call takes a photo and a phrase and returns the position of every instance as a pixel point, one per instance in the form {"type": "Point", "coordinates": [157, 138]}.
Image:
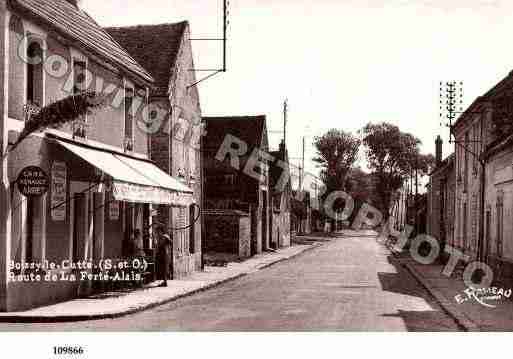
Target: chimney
{"type": "Point", "coordinates": [282, 146]}
{"type": "Point", "coordinates": [438, 155]}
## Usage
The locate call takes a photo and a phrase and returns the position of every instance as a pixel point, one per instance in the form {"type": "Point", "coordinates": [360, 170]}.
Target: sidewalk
{"type": "Point", "coordinates": [470, 315]}
{"type": "Point", "coordinates": [116, 304]}
{"type": "Point", "coordinates": [358, 233]}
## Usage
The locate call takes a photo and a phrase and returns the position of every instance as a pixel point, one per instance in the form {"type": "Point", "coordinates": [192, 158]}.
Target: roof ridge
{"type": "Point", "coordinates": [184, 22]}
{"type": "Point", "coordinates": [77, 25]}
{"type": "Point", "coordinates": [143, 42]}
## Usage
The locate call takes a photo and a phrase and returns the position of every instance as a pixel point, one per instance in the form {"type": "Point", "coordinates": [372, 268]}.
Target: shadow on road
{"type": "Point", "coordinates": [403, 283]}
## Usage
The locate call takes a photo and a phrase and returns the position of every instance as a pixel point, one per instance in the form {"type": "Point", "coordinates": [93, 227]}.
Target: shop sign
{"type": "Point", "coordinates": [134, 193]}
{"type": "Point", "coordinates": [59, 191]}
{"type": "Point", "coordinates": [32, 181]}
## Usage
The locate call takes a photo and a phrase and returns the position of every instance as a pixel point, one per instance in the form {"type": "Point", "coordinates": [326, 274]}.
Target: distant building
{"type": "Point", "coordinates": [441, 198]}
{"type": "Point", "coordinates": [302, 212]}
{"type": "Point", "coordinates": [229, 184]}
{"type": "Point", "coordinates": [281, 197]}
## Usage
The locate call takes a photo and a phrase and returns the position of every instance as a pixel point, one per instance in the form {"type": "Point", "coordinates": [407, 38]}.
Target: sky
{"type": "Point", "coordinates": [340, 63]}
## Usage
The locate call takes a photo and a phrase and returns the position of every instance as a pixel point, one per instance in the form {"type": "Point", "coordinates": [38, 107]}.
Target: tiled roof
{"type": "Point", "coordinates": [77, 25]}
{"type": "Point", "coordinates": [155, 47]}
{"type": "Point", "coordinates": [249, 129]}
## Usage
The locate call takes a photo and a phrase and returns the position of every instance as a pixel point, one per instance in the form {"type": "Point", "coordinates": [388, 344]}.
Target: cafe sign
{"type": "Point", "coordinates": [33, 181]}
{"type": "Point", "coordinates": [59, 191]}
{"type": "Point", "coordinates": [135, 193]}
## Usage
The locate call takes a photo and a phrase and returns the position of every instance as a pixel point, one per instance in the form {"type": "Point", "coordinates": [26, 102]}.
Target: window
{"type": "Point", "coordinates": [16, 69]}
{"type": "Point", "coordinates": [465, 169]}
{"type": "Point", "coordinates": [79, 85]}
{"type": "Point", "coordinates": [181, 232]}
{"type": "Point", "coordinates": [192, 162]}
{"type": "Point", "coordinates": [464, 229]}
{"type": "Point", "coordinates": [129, 119]}
{"type": "Point", "coordinates": [35, 74]}
{"type": "Point", "coordinates": [500, 224]}
{"type": "Point", "coordinates": [79, 76]}
{"type": "Point", "coordinates": [487, 236]}
{"type": "Point", "coordinates": [192, 229]}
{"type": "Point", "coordinates": [475, 147]}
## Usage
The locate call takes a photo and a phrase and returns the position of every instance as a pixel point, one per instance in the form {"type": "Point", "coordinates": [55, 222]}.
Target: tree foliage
{"type": "Point", "coordinates": [392, 156]}
{"type": "Point", "coordinates": [337, 151]}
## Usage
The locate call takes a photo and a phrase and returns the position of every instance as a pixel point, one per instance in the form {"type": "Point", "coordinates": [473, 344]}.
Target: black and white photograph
{"type": "Point", "coordinates": [255, 166]}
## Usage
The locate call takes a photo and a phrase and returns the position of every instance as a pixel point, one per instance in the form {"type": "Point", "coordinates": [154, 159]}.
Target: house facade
{"type": "Point", "coordinates": [235, 178]}
{"type": "Point", "coordinates": [498, 158]}
{"type": "Point", "coordinates": [165, 51]}
{"type": "Point", "coordinates": [281, 200]}
{"type": "Point", "coordinates": [483, 179]}
{"type": "Point", "coordinates": [470, 136]}
{"type": "Point", "coordinates": [102, 186]}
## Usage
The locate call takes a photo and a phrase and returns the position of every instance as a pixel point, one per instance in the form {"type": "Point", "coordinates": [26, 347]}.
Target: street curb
{"type": "Point", "coordinates": [311, 247]}
{"type": "Point", "coordinates": [459, 317]}
{"type": "Point", "coordinates": [81, 318]}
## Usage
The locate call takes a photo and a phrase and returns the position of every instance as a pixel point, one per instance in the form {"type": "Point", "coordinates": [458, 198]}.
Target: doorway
{"type": "Point", "coordinates": [487, 236]}
{"type": "Point", "coordinates": [79, 225]}
{"type": "Point", "coordinates": [265, 237]}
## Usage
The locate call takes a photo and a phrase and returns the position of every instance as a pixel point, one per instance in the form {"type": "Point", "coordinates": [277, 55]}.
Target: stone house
{"type": "Point", "coordinates": [235, 177]}
{"type": "Point", "coordinates": [440, 198]}
{"type": "Point", "coordinates": [102, 184]}
{"type": "Point", "coordinates": [281, 199]}
{"type": "Point", "coordinates": [482, 176]}
{"type": "Point", "coordinates": [470, 135]}
{"type": "Point", "coordinates": [165, 51]}
{"type": "Point", "coordinates": [497, 246]}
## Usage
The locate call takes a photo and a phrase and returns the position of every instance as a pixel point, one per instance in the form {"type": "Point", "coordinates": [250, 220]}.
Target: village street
{"type": "Point", "coordinates": [350, 283]}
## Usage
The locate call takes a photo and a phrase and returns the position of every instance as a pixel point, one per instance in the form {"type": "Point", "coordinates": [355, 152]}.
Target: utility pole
{"type": "Point", "coordinates": [225, 32]}
{"type": "Point", "coordinates": [285, 112]}
{"type": "Point", "coordinates": [302, 166]}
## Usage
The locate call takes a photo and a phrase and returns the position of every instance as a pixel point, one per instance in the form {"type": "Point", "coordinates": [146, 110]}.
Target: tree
{"type": "Point", "coordinates": [337, 152]}
{"type": "Point", "coordinates": [56, 114]}
{"type": "Point", "coordinates": [361, 187]}
{"type": "Point", "coordinates": [391, 155]}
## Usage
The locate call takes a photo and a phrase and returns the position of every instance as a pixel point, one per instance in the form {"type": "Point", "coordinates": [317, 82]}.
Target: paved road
{"type": "Point", "coordinates": [348, 284]}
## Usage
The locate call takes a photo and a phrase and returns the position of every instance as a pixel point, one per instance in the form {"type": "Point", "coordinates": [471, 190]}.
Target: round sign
{"type": "Point", "coordinates": [33, 181]}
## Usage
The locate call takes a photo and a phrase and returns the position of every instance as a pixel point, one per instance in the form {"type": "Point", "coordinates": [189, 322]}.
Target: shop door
{"type": "Point", "coordinates": [265, 242]}
{"type": "Point", "coordinates": [79, 225]}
